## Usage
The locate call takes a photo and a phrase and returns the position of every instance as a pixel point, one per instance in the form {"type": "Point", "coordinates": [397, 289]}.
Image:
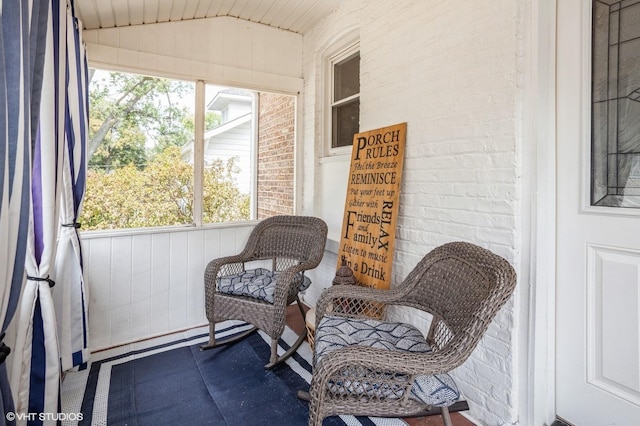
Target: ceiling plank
{"type": "Point", "coordinates": [214, 8]}
{"type": "Point", "coordinates": [136, 12]}
{"type": "Point", "coordinates": [290, 15]}
{"type": "Point", "coordinates": [309, 17]}
{"type": "Point", "coordinates": [190, 9]}
{"type": "Point", "coordinates": [105, 14]}
{"type": "Point", "coordinates": [120, 12]}
{"type": "Point", "coordinates": [294, 14]}
{"type": "Point", "coordinates": [177, 10]}
{"type": "Point", "coordinates": [164, 10]}
{"type": "Point", "coordinates": [272, 17]}
{"type": "Point", "coordinates": [225, 7]}
{"type": "Point", "coordinates": [261, 10]}
{"type": "Point", "coordinates": [202, 8]}
{"type": "Point", "coordinates": [150, 11]}
{"type": "Point", "coordinates": [249, 9]}
{"type": "Point", "coordinates": [87, 14]}
{"type": "Point", "coordinates": [238, 9]}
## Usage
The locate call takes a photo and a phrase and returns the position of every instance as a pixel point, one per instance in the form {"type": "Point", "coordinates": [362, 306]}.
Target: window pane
{"type": "Point", "coordinates": [228, 141]}
{"type": "Point", "coordinates": [615, 109]}
{"type": "Point", "coordinates": [346, 77]}
{"type": "Point", "coordinates": [142, 153]}
{"type": "Point", "coordinates": [232, 185]}
{"type": "Point", "coordinates": [137, 176]}
{"type": "Point", "coordinates": [346, 122]}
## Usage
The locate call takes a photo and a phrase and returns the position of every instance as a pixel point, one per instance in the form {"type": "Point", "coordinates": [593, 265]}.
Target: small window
{"type": "Point", "coordinates": [345, 98]}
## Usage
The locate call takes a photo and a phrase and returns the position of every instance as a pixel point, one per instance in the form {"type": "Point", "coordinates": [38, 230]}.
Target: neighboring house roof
{"type": "Point", "coordinates": [225, 127]}
{"type": "Point", "coordinates": [221, 100]}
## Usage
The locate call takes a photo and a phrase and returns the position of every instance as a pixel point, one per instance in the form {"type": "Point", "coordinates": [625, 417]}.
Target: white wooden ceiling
{"type": "Point", "coordinates": [292, 15]}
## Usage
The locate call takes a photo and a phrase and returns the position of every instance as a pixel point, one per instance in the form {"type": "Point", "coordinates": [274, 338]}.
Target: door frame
{"type": "Point", "coordinates": [536, 397]}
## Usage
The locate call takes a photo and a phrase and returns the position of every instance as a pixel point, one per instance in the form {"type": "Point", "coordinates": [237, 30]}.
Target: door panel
{"type": "Point", "coordinates": [598, 248]}
{"type": "Point", "coordinates": [613, 329]}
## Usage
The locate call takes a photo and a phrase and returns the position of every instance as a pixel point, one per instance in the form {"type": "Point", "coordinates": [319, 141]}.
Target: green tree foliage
{"type": "Point", "coordinates": [137, 177]}
{"type": "Point", "coordinates": [161, 194]}
{"type": "Point", "coordinates": [129, 112]}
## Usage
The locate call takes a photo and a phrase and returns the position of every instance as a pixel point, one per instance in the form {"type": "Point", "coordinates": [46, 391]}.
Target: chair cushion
{"type": "Point", "coordinates": [336, 332]}
{"type": "Point", "coordinates": [259, 283]}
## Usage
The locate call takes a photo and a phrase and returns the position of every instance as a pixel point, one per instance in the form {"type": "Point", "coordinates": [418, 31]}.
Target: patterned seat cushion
{"type": "Point", "coordinates": [336, 332]}
{"type": "Point", "coordinates": [259, 283]}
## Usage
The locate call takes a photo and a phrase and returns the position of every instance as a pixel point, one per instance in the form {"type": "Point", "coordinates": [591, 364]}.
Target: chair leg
{"type": "Point", "coordinates": [303, 395]}
{"type": "Point", "coordinates": [213, 343]}
{"type": "Point", "coordinates": [446, 417]}
{"type": "Point", "coordinates": [275, 360]}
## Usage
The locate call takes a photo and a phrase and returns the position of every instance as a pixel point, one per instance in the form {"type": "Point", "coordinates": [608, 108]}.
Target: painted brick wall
{"type": "Point", "coordinates": [276, 133]}
{"type": "Point", "coordinates": [450, 70]}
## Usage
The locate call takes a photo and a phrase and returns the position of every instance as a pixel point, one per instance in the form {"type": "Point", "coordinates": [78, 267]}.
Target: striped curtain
{"type": "Point", "coordinates": [21, 66]}
{"type": "Point", "coordinates": [69, 296]}
{"type": "Point", "coordinates": [35, 378]}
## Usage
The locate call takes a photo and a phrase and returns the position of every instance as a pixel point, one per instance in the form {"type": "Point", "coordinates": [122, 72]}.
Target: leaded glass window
{"type": "Point", "coordinates": [615, 107]}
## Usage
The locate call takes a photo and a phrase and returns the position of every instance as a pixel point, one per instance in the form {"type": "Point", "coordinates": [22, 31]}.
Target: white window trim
{"type": "Point", "coordinates": [335, 54]}
{"type": "Point", "coordinates": [198, 165]}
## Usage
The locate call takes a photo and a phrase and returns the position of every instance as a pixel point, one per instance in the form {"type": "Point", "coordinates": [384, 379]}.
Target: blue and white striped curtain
{"type": "Point", "coordinates": [69, 296]}
{"type": "Point", "coordinates": [21, 66]}
{"type": "Point", "coordinates": [35, 375]}
{"type": "Point", "coordinates": [53, 249]}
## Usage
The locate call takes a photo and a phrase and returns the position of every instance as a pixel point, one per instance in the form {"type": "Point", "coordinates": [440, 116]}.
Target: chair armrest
{"type": "Point", "coordinates": [286, 278]}
{"type": "Point", "coordinates": [338, 294]}
{"type": "Point", "coordinates": [214, 266]}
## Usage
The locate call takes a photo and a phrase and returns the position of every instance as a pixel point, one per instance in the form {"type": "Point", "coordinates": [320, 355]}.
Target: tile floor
{"type": "Point", "coordinates": [297, 324]}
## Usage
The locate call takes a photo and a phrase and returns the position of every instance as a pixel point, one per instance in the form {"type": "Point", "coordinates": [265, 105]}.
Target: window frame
{"type": "Point", "coordinates": [339, 53]}
{"type": "Point", "coordinates": [198, 153]}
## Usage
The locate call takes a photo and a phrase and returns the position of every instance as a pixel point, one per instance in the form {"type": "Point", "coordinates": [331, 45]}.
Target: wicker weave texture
{"type": "Point", "coordinates": [292, 245]}
{"type": "Point", "coordinates": [460, 284]}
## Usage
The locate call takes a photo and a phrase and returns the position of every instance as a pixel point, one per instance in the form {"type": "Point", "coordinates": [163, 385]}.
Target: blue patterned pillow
{"type": "Point", "coordinates": [259, 283]}
{"type": "Point", "coordinates": [336, 332]}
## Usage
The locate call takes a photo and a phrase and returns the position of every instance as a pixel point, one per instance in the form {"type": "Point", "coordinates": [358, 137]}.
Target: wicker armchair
{"type": "Point", "coordinates": [258, 284]}
{"type": "Point", "coordinates": [461, 285]}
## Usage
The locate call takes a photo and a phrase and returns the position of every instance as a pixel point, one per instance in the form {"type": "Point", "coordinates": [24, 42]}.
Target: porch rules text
{"type": "Point", "coordinates": [371, 210]}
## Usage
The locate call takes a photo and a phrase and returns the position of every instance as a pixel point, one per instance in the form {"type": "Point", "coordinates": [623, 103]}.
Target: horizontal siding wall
{"type": "Point", "coordinates": [233, 144]}
{"type": "Point", "coordinates": [151, 282]}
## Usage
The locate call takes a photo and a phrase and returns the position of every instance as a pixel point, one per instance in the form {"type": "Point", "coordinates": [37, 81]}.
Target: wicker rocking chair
{"type": "Point", "coordinates": [258, 284]}
{"type": "Point", "coordinates": [370, 367]}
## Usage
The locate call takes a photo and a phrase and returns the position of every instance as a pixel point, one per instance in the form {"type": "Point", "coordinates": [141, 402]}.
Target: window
{"type": "Point", "coordinates": [345, 97]}
{"type": "Point", "coordinates": [149, 165]}
{"type": "Point", "coordinates": [615, 108]}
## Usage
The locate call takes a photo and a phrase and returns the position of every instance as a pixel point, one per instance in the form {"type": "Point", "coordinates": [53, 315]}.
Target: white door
{"type": "Point", "coordinates": [598, 248]}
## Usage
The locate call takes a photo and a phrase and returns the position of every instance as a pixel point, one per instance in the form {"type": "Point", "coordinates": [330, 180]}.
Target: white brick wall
{"type": "Point", "coordinates": [449, 69]}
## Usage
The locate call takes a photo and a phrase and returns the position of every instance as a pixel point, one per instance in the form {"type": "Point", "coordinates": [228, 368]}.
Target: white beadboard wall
{"type": "Point", "coordinates": [151, 282]}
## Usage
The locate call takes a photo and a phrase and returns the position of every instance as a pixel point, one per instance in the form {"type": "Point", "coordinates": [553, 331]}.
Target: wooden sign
{"type": "Point", "coordinates": [368, 233]}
